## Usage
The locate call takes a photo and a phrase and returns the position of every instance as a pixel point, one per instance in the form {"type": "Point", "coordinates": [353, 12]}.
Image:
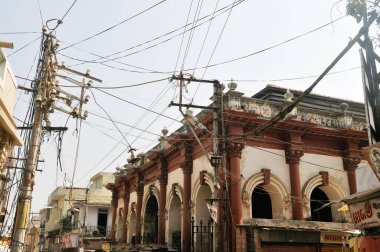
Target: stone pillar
{"type": "Point", "coordinates": [163, 181]}
{"type": "Point", "coordinates": [350, 164]}
{"type": "Point", "coordinates": [293, 154]}
{"type": "Point", "coordinates": [187, 167]}
{"type": "Point", "coordinates": [234, 149]}
{"type": "Point", "coordinates": [140, 194]}
{"type": "Point", "coordinates": [351, 160]}
{"type": "Point", "coordinates": [125, 212]}
{"type": "Point", "coordinates": [115, 198]}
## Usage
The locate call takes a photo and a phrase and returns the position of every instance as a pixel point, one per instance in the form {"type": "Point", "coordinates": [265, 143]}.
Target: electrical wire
{"type": "Point", "coordinates": [113, 26]}
{"type": "Point", "coordinates": [18, 33]}
{"type": "Point", "coordinates": [67, 12]}
{"type": "Point", "coordinates": [40, 11]}
{"type": "Point", "coordinates": [113, 122]}
{"type": "Point", "coordinates": [125, 124]}
{"type": "Point", "coordinates": [24, 46]}
{"type": "Point", "coordinates": [192, 32]}
{"type": "Point", "coordinates": [222, 10]}
{"type": "Point", "coordinates": [133, 85]}
{"type": "Point", "coordinates": [136, 105]}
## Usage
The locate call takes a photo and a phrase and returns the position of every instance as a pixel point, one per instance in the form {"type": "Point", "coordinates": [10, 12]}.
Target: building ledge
{"type": "Point", "coordinates": [298, 225]}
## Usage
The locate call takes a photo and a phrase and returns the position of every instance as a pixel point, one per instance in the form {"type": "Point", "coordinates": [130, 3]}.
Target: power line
{"type": "Point", "coordinates": [67, 12]}
{"type": "Point", "coordinates": [234, 59]}
{"type": "Point", "coordinates": [18, 33]}
{"type": "Point", "coordinates": [268, 48]}
{"type": "Point", "coordinates": [221, 10]}
{"type": "Point", "coordinates": [294, 78]}
{"type": "Point", "coordinates": [24, 46]}
{"type": "Point", "coordinates": [39, 8]}
{"type": "Point", "coordinates": [113, 122]}
{"type": "Point", "coordinates": [113, 26]}
{"type": "Point", "coordinates": [134, 104]}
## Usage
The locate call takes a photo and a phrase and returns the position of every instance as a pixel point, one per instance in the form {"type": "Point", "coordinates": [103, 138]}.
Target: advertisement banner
{"type": "Point", "coordinates": [69, 241]}
{"type": "Point", "coordinates": [366, 214]}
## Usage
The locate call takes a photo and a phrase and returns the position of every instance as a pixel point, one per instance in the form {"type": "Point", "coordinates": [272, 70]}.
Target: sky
{"type": "Point", "coordinates": [296, 53]}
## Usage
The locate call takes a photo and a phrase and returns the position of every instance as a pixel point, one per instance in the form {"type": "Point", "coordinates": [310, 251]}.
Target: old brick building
{"type": "Point", "coordinates": [275, 186]}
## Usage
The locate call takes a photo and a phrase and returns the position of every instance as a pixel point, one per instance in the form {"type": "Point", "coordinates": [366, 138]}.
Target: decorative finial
{"type": "Point", "coordinates": [164, 131]}
{"type": "Point", "coordinates": [288, 96]}
{"type": "Point", "coordinates": [343, 106]}
{"type": "Point", "coordinates": [232, 85]}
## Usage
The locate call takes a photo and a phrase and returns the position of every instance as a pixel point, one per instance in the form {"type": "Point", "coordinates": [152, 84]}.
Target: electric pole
{"type": "Point", "coordinates": [216, 159]}
{"type": "Point", "coordinates": [46, 92]}
{"type": "Point", "coordinates": [41, 106]}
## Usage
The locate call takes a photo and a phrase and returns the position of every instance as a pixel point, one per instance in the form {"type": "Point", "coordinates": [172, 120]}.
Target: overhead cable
{"type": "Point", "coordinates": [134, 104]}
{"type": "Point", "coordinates": [113, 26]}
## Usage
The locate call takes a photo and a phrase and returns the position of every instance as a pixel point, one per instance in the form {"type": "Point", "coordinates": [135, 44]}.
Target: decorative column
{"type": "Point", "coordinates": [115, 197]}
{"type": "Point", "coordinates": [125, 212]}
{"type": "Point", "coordinates": [350, 164]}
{"type": "Point", "coordinates": [140, 194]}
{"type": "Point", "coordinates": [163, 180]}
{"type": "Point", "coordinates": [187, 168]}
{"type": "Point", "coordinates": [293, 154]}
{"type": "Point", "coordinates": [351, 161]}
{"type": "Point", "coordinates": [234, 149]}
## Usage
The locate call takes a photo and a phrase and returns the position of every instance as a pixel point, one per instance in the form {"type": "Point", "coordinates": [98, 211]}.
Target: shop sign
{"type": "Point", "coordinates": [69, 241]}
{"type": "Point", "coordinates": [366, 214]}
{"type": "Point", "coordinates": [334, 237]}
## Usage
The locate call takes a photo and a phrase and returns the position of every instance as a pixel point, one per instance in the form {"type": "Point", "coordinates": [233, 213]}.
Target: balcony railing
{"type": "Point", "coordinates": [97, 231]}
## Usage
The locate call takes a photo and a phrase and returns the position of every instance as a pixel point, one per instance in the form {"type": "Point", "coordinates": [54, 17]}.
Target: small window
{"type": "Point", "coordinates": [98, 184]}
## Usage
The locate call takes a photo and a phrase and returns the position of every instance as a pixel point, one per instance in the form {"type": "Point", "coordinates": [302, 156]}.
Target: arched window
{"type": "Point", "coordinates": [317, 200]}
{"type": "Point", "coordinates": [151, 221]}
{"type": "Point", "coordinates": [261, 203]}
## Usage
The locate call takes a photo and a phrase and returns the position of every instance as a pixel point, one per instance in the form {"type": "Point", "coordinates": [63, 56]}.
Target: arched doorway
{"type": "Point", "coordinates": [175, 223]}
{"type": "Point", "coordinates": [261, 203]}
{"type": "Point", "coordinates": [203, 239]}
{"type": "Point", "coordinates": [151, 221]}
{"type": "Point", "coordinates": [318, 199]}
{"type": "Point", "coordinates": [132, 224]}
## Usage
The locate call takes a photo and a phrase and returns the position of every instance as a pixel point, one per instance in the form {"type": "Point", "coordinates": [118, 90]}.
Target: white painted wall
{"type": "Point", "coordinates": [175, 176]}
{"type": "Point", "coordinates": [255, 159]}
{"type": "Point", "coordinates": [307, 171]}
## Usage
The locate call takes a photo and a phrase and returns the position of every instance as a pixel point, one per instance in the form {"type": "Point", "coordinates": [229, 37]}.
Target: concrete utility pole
{"type": "Point", "coordinates": [215, 160]}
{"type": "Point", "coordinates": [41, 106]}
{"type": "Point", "coordinates": [371, 83]}
{"type": "Point", "coordinates": [46, 92]}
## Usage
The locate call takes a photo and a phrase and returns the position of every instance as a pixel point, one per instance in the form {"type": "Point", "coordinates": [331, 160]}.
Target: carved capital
{"type": "Point", "coordinates": [140, 188]}
{"type": "Point", "coordinates": [234, 148]}
{"type": "Point", "coordinates": [293, 155]}
{"type": "Point", "coordinates": [163, 178]}
{"type": "Point", "coordinates": [351, 163]}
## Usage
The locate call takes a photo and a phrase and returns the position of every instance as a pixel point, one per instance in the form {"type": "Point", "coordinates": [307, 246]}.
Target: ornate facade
{"type": "Point", "coordinates": [271, 188]}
